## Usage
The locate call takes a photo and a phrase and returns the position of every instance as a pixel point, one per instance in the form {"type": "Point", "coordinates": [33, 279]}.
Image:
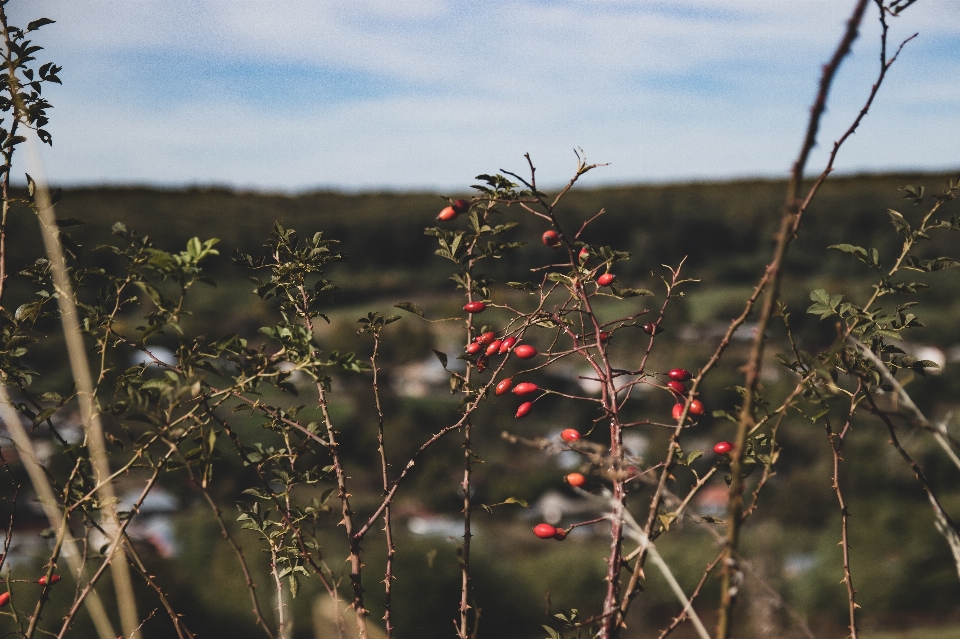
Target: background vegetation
{"type": "Point", "coordinates": [724, 231]}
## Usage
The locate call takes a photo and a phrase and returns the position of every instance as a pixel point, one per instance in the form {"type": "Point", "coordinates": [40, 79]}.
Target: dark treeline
{"type": "Point", "coordinates": [724, 228]}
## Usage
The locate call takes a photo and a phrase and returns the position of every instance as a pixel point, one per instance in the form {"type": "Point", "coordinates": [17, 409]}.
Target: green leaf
{"type": "Point", "coordinates": [151, 292]}
{"type": "Point", "coordinates": [559, 277]}
{"type": "Point", "coordinates": [899, 222]}
{"type": "Point", "coordinates": [523, 286]}
{"type": "Point", "coordinates": [40, 22]}
{"type": "Point", "coordinates": [824, 305]}
{"type": "Point", "coordinates": [666, 519]}
{"type": "Point", "coordinates": [871, 258]}
{"type": "Point", "coordinates": [914, 263]}
{"type": "Point", "coordinates": [630, 292]}
{"type": "Point", "coordinates": [553, 634]}
{"type": "Point", "coordinates": [45, 415]}
{"type": "Point", "coordinates": [410, 307]}
{"type": "Point", "coordinates": [69, 221]}
{"type": "Point", "coordinates": [517, 501]}
{"type": "Point", "coordinates": [442, 357]}
{"type": "Point", "coordinates": [939, 264]}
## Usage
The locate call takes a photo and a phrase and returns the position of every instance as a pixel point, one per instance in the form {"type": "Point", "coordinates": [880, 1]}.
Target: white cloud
{"type": "Point", "coordinates": [663, 90]}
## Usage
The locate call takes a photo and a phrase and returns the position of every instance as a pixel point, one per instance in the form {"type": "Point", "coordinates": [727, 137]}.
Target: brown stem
{"type": "Point", "coordinates": [788, 223]}
{"type": "Point", "coordinates": [182, 631]}
{"type": "Point", "coordinates": [356, 564]}
{"type": "Point", "coordinates": [679, 619]}
{"type": "Point", "coordinates": [321, 569]}
{"type": "Point", "coordinates": [924, 483]}
{"type": "Point", "coordinates": [633, 586]}
{"type": "Point", "coordinates": [836, 444]}
{"type": "Point", "coordinates": [8, 149]}
{"type": "Point", "coordinates": [463, 628]}
{"type": "Point", "coordinates": [241, 559]}
{"type": "Point", "coordinates": [387, 528]}
{"type": "Point", "coordinates": [116, 545]}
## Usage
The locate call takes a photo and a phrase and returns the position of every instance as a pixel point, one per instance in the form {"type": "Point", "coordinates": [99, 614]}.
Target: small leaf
{"type": "Point", "coordinates": [666, 519]}
{"type": "Point", "coordinates": [553, 634]}
{"type": "Point", "coordinates": [70, 221]}
{"type": "Point", "coordinates": [40, 22]}
{"type": "Point", "coordinates": [899, 222]}
{"type": "Point", "coordinates": [631, 292]}
{"type": "Point", "coordinates": [522, 286]}
{"type": "Point", "coordinates": [410, 307]}
{"type": "Point", "coordinates": [442, 357]}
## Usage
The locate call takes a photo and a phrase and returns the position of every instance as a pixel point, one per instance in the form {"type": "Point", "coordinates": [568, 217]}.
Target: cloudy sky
{"type": "Point", "coordinates": [405, 94]}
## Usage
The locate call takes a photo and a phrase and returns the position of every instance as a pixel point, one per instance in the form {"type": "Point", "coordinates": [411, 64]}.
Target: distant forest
{"type": "Point", "coordinates": [724, 229]}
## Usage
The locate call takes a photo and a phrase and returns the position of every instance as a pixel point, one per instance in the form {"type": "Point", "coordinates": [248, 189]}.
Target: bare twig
{"type": "Point", "coordinates": [387, 528]}
{"type": "Point", "coordinates": [80, 369]}
{"type": "Point", "coordinates": [837, 441]}
{"type": "Point", "coordinates": [238, 551]}
{"type": "Point", "coordinates": [789, 221]}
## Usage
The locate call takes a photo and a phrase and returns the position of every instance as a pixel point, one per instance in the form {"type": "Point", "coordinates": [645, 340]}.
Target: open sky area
{"type": "Point", "coordinates": [425, 94]}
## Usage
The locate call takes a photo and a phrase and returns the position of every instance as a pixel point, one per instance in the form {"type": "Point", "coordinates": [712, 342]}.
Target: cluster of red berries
{"type": "Point", "coordinates": [5, 596]}
{"type": "Point", "coordinates": [676, 384]}
{"type": "Point", "coordinates": [487, 345]}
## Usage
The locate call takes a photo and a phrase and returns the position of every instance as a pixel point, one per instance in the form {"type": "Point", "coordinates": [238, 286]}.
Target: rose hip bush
{"type": "Point", "coordinates": [178, 415]}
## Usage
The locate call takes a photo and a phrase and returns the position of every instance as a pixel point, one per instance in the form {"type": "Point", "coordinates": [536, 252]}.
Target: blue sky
{"type": "Point", "coordinates": [294, 94]}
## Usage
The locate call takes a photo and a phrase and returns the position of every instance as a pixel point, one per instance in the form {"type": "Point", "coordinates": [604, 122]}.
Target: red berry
{"type": "Point", "coordinates": [525, 351]}
{"type": "Point", "coordinates": [652, 329]}
{"type": "Point", "coordinates": [4, 599]}
{"type": "Point", "coordinates": [494, 347]}
{"type": "Point", "coordinates": [570, 435]}
{"type": "Point", "coordinates": [460, 206]}
{"type": "Point", "coordinates": [551, 238]}
{"type": "Point", "coordinates": [486, 338]}
{"type": "Point", "coordinates": [604, 336]}
{"type": "Point", "coordinates": [482, 364]}
{"type": "Point", "coordinates": [473, 348]}
{"type": "Point", "coordinates": [584, 254]}
{"type": "Point", "coordinates": [448, 213]}
{"type": "Point", "coordinates": [677, 387]}
{"type": "Point", "coordinates": [606, 279]}
{"type": "Point", "coordinates": [576, 480]}
{"type": "Point", "coordinates": [722, 448]}
{"type": "Point", "coordinates": [677, 411]}
{"type": "Point", "coordinates": [503, 386]}
{"type": "Point", "coordinates": [679, 375]}
{"type": "Point", "coordinates": [507, 344]}
{"type": "Point", "coordinates": [53, 579]}
{"type": "Point", "coordinates": [525, 388]}
{"type": "Point", "coordinates": [544, 531]}
{"type": "Point", "coordinates": [696, 407]}
{"type": "Point", "coordinates": [474, 307]}
{"type": "Point", "coordinates": [524, 408]}
{"type": "Point", "coordinates": [560, 535]}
